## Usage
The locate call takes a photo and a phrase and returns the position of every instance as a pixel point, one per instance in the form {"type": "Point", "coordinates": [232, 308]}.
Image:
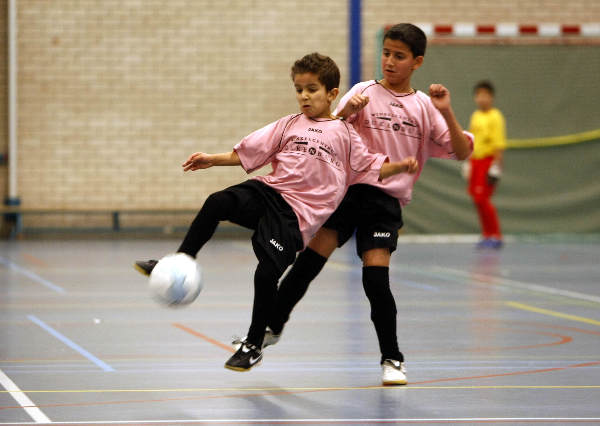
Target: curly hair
{"type": "Point", "coordinates": [322, 66]}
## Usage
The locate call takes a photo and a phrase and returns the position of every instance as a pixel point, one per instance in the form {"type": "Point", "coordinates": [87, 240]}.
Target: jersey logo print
{"type": "Point", "coordinates": [317, 147]}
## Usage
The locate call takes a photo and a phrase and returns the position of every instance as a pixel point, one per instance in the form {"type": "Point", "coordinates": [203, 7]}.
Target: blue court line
{"type": "Point", "coordinates": [420, 286]}
{"type": "Point", "coordinates": [31, 275]}
{"type": "Point", "coordinates": [104, 366]}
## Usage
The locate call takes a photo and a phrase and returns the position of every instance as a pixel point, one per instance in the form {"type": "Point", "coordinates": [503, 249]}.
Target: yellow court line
{"type": "Point", "coordinates": [552, 313]}
{"type": "Point", "coordinates": [555, 140]}
{"type": "Point", "coordinates": [309, 389]}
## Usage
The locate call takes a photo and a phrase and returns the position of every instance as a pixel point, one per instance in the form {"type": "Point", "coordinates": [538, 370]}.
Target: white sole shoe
{"type": "Point", "coordinates": [393, 373]}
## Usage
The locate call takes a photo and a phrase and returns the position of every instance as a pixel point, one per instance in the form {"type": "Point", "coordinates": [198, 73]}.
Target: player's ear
{"type": "Point", "coordinates": [332, 94]}
{"type": "Point", "coordinates": [418, 62]}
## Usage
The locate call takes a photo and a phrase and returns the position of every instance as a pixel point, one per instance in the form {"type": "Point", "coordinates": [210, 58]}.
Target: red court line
{"type": "Point", "coordinates": [293, 392]}
{"type": "Point", "coordinates": [33, 260]}
{"type": "Point", "coordinates": [562, 340]}
{"type": "Point", "coordinates": [202, 336]}
{"type": "Point", "coordinates": [357, 422]}
{"type": "Point", "coordinates": [559, 327]}
{"type": "Point", "coordinates": [514, 373]}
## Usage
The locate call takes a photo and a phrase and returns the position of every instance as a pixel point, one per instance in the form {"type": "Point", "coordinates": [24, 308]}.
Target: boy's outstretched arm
{"type": "Point", "coordinates": [440, 96]}
{"type": "Point", "coordinates": [201, 160]}
{"type": "Point", "coordinates": [409, 165]}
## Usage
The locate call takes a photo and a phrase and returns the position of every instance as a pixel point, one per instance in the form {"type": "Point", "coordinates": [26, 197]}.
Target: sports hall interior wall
{"type": "Point", "coordinates": [544, 92]}
{"type": "Point", "coordinates": [114, 95]}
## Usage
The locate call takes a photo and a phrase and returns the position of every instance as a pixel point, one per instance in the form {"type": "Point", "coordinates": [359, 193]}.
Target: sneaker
{"type": "Point", "coordinates": [394, 373]}
{"type": "Point", "coordinates": [145, 266]}
{"type": "Point", "coordinates": [246, 357]}
{"type": "Point", "coordinates": [496, 244]}
{"type": "Point", "coordinates": [489, 243]}
{"type": "Point", "coordinates": [269, 339]}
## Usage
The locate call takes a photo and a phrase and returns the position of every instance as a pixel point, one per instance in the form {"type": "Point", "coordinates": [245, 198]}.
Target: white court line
{"type": "Point", "coordinates": [31, 275]}
{"type": "Point", "coordinates": [519, 284]}
{"type": "Point", "coordinates": [23, 400]}
{"type": "Point", "coordinates": [340, 421]}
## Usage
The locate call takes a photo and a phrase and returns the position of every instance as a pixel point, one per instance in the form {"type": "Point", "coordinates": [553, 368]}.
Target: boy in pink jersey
{"type": "Point", "coordinates": [314, 157]}
{"type": "Point", "coordinates": [394, 119]}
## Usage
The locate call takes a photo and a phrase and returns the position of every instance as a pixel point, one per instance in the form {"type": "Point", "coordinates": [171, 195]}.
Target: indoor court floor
{"type": "Point", "coordinates": [489, 337]}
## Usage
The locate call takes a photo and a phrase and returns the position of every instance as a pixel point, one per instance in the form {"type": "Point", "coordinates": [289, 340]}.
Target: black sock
{"type": "Point", "coordinates": [265, 291]}
{"type": "Point", "coordinates": [376, 282]}
{"type": "Point", "coordinates": [307, 266]}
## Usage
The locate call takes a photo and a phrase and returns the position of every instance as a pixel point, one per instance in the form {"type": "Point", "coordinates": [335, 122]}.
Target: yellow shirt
{"type": "Point", "coordinates": [490, 132]}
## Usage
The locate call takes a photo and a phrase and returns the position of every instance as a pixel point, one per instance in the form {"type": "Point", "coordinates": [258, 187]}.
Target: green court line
{"type": "Point", "coordinates": [525, 307]}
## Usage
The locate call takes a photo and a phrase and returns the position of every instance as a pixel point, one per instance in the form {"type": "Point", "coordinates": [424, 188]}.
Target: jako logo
{"type": "Point", "coordinates": [394, 104]}
{"type": "Point", "coordinates": [276, 245]}
{"type": "Point", "coordinates": [381, 234]}
{"type": "Point", "coordinates": [310, 129]}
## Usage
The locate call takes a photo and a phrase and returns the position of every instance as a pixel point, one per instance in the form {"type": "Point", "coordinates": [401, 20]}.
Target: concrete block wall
{"type": "Point", "coordinates": [115, 94]}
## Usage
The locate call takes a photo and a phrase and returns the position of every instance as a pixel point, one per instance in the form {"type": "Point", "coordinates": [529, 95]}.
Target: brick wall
{"type": "Point", "coordinates": [114, 94]}
{"type": "Point", "coordinates": [378, 13]}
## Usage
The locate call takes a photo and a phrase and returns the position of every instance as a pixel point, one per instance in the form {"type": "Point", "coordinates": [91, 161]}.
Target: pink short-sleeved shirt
{"type": "Point", "coordinates": [400, 126]}
{"type": "Point", "coordinates": [313, 161]}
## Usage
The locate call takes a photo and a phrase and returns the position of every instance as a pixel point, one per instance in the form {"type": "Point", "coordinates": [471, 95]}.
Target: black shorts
{"type": "Point", "coordinates": [276, 232]}
{"type": "Point", "coordinates": [374, 215]}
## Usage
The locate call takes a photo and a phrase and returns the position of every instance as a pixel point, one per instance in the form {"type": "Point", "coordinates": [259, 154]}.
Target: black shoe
{"type": "Point", "coordinates": [246, 357]}
{"type": "Point", "coordinates": [145, 266]}
{"type": "Point", "coordinates": [270, 339]}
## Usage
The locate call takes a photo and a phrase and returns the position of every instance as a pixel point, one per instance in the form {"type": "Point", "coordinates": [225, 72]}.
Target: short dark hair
{"type": "Point", "coordinates": [323, 66]}
{"type": "Point", "coordinates": [409, 34]}
{"type": "Point", "coordinates": [486, 85]}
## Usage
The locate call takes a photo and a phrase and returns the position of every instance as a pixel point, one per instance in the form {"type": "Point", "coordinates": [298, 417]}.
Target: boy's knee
{"type": "Point", "coordinates": [324, 242]}
{"type": "Point", "coordinates": [218, 203]}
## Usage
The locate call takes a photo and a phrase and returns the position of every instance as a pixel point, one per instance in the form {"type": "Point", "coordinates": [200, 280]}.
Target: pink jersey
{"type": "Point", "coordinates": [400, 126]}
{"type": "Point", "coordinates": [314, 162]}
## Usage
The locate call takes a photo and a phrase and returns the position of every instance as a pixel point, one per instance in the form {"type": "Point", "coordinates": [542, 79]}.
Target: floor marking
{"type": "Point", "coordinates": [522, 306]}
{"type": "Point", "coordinates": [420, 286]}
{"type": "Point", "coordinates": [514, 373]}
{"type": "Point", "coordinates": [202, 336]}
{"type": "Point", "coordinates": [31, 275]}
{"type": "Point", "coordinates": [310, 389]}
{"type": "Point", "coordinates": [274, 392]}
{"type": "Point", "coordinates": [34, 260]}
{"type": "Point", "coordinates": [30, 408]}
{"type": "Point", "coordinates": [455, 420]}
{"type": "Point", "coordinates": [487, 279]}
{"type": "Point", "coordinates": [562, 341]}
{"type": "Point", "coordinates": [104, 366]}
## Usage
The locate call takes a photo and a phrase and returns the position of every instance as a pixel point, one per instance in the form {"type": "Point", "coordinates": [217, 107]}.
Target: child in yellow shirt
{"type": "Point", "coordinates": [488, 128]}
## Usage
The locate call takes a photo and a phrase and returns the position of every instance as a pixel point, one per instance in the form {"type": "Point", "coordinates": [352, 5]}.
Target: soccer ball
{"type": "Point", "coordinates": [176, 280]}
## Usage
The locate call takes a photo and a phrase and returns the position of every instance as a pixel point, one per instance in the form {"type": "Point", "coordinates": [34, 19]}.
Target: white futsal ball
{"type": "Point", "coordinates": [176, 280]}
